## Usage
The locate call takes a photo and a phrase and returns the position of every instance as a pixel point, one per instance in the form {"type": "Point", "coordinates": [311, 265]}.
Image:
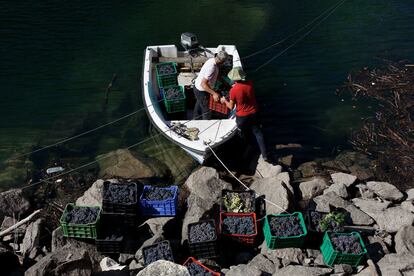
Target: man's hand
{"type": "Point", "coordinates": [216, 96]}
{"type": "Point", "coordinates": [222, 99]}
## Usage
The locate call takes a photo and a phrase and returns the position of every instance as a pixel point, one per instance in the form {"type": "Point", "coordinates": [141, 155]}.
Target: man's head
{"type": "Point", "coordinates": [221, 57]}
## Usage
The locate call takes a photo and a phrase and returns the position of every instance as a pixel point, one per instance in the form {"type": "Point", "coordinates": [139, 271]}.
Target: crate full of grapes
{"type": "Point", "coordinates": [80, 221]}
{"type": "Point", "coordinates": [284, 230]}
{"type": "Point", "coordinates": [240, 227]}
{"type": "Point", "coordinates": [166, 73]}
{"type": "Point", "coordinates": [157, 251]}
{"type": "Point", "coordinates": [174, 98]}
{"type": "Point", "coordinates": [195, 268]}
{"type": "Point", "coordinates": [343, 248]}
{"type": "Point", "coordinates": [202, 239]}
{"type": "Point", "coordinates": [120, 198]}
{"type": "Point", "coordinates": [159, 201]}
{"type": "Point", "coordinates": [238, 201]}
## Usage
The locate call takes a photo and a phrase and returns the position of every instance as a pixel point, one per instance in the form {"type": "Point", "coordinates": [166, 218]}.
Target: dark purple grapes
{"type": "Point", "coordinates": [166, 69]}
{"type": "Point", "coordinates": [155, 193]}
{"type": "Point", "coordinates": [197, 270]}
{"type": "Point", "coordinates": [158, 251]}
{"type": "Point", "coordinates": [202, 232]}
{"type": "Point", "coordinates": [173, 93]}
{"type": "Point", "coordinates": [81, 215]}
{"type": "Point", "coordinates": [120, 193]}
{"type": "Point", "coordinates": [347, 244]}
{"type": "Point", "coordinates": [238, 225]}
{"type": "Point", "coordinates": [285, 226]}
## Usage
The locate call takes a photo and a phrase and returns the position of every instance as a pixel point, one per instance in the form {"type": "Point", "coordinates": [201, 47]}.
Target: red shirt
{"type": "Point", "coordinates": [242, 94]}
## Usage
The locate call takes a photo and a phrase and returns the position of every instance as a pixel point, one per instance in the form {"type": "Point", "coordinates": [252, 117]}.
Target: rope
{"type": "Point", "coordinates": [84, 133]}
{"type": "Point", "coordinates": [241, 182]}
{"type": "Point", "coordinates": [289, 36]}
{"type": "Point", "coordinates": [300, 38]}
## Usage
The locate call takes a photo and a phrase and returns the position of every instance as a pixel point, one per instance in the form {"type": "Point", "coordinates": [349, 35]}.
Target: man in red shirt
{"type": "Point", "coordinates": [242, 95]}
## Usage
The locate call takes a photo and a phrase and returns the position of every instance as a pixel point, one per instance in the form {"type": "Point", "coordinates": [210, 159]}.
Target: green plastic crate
{"type": "Point", "coordinates": [332, 257]}
{"type": "Point", "coordinates": [274, 242]}
{"type": "Point", "coordinates": [165, 80]}
{"type": "Point", "coordinates": [177, 105]}
{"type": "Point", "coordinates": [86, 231]}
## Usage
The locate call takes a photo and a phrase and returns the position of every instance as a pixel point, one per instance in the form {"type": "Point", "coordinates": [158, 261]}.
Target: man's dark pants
{"type": "Point", "coordinates": [201, 109]}
{"type": "Point", "coordinates": [250, 125]}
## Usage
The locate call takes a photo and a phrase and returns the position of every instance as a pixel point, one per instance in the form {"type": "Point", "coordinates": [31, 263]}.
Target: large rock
{"type": "Point", "coordinates": [9, 221]}
{"type": "Point", "coordinates": [287, 255]}
{"type": "Point", "coordinates": [392, 219]}
{"type": "Point", "coordinates": [264, 264]}
{"type": "Point", "coordinates": [410, 194]}
{"type": "Point", "coordinates": [164, 268]}
{"type": "Point", "coordinates": [242, 270]}
{"type": "Point", "coordinates": [337, 188]}
{"type": "Point", "coordinates": [267, 170]}
{"type": "Point", "coordinates": [275, 192]}
{"type": "Point", "coordinates": [124, 163]}
{"type": "Point", "coordinates": [156, 225]}
{"type": "Point", "coordinates": [357, 216]}
{"type": "Point", "coordinates": [12, 203]}
{"type": "Point", "coordinates": [312, 188]}
{"type": "Point", "coordinates": [32, 237]}
{"type": "Point", "coordinates": [385, 190]}
{"type": "Point", "coordinates": [309, 169]}
{"type": "Point", "coordinates": [408, 205]}
{"type": "Point", "coordinates": [404, 240]}
{"type": "Point", "coordinates": [297, 270]}
{"type": "Point", "coordinates": [393, 265]}
{"type": "Point", "coordinates": [343, 178]}
{"type": "Point", "coordinates": [205, 188]}
{"type": "Point", "coordinates": [64, 261]}
{"type": "Point", "coordinates": [93, 195]}
{"type": "Point", "coordinates": [370, 206]}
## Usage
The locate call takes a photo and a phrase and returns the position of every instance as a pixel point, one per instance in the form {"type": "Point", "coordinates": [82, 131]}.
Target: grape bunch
{"type": "Point", "coordinates": [81, 215]}
{"type": "Point", "coordinates": [165, 69]}
{"type": "Point", "coordinates": [197, 270]}
{"type": "Point", "coordinates": [120, 193]}
{"type": "Point", "coordinates": [155, 193]}
{"type": "Point", "coordinates": [238, 225]}
{"type": "Point", "coordinates": [201, 232]}
{"type": "Point", "coordinates": [347, 244]}
{"type": "Point", "coordinates": [173, 93]}
{"type": "Point", "coordinates": [113, 237]}
{"type": "Point", "coordinates": [158, 251]}
{"type": "Point", "coordinates": [285, 226]}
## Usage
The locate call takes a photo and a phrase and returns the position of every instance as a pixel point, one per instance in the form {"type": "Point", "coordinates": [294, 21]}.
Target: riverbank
{"type": "Point", "coordinates": [383, 214]}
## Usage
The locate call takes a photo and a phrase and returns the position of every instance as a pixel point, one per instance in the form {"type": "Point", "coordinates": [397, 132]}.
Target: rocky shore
{"type": "Point", "coordinates": [382, 213]}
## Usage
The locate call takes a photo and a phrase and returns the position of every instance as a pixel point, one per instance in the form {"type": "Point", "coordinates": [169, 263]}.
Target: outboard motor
{"type": "Point", "coordinates": [189, 41]}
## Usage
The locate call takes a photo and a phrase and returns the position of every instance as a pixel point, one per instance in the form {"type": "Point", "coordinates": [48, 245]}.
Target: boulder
{"type": "Point", "coordinates": [408, 205]}
{"type": "Point", "coordinates": [9, 221]}
{"type": "Point", "coordinates": [64, 261]}
{"type": "Point", "coordinates": [404, 240]}
{"type": "Point", "coordinates": [205, 189]}
{"type": "Point", "coordinates": [343, 178]}
{"type": "Point", "coordinates": [357, 216]}
{"type": "Point", "coordinates": [242, 270]}
{"type": "Point", "coordinates": [32, 236]}
{"type": "Point", "coordinates": [385, 190]}
{"type": "Point", "coordinates": [164, 268]}
{"type": "Point", "coordinates": [108, 264]}
{"type": "Point", "coordinates": [297, 270]}
{"type": "Point", "coordinates": [13, 202]}
{"type": "Point", "coordinates": [361, 172]}
{"type": "Point", "coordinates": [93, 195]}
{"type": "Point", "coordinates": [410, 194]}
{"type": "Point", "coordinates": [275, 192]}
{"type": "Point", "coordinates": [343, 269]}
{"type": "Point", "coordinates": [263, 264]}
{"type": "Point", "coordinates": [310, 189]}
{"type": "Point", "coordinates": [392, 219]}
{"type": "Point", "coordinates": [266, 170]}
{"type": "Point", "coordinates": [156, 225]}
{"type": "Point", "coordinates": [365, 192]}
{"type": "Point", "coordinates": [337, 188]}
{"type": "Point", "coordinates": [393, 265]}
{"type": "Point", "coordinates": [128, 164]}
{"type": "Point", "coordinates": [309, 169]}
{"type": "Point", "coordinates": [287, 255]}
{"type": "Point", "coordinates": [335, 165]}
{"type": "Point", "coordinates": [370, 206]}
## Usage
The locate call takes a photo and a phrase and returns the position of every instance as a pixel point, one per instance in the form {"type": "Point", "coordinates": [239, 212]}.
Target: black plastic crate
{"type": "Point", "coordinates": [109, 243]}
{"type": "Point", "coordinates": [249, 193]}
{"type": "Point", "coordinates": [122, 208]}
{"type": "Point", "coordinates": [165, 254]}
{"type": "Point", "coordinates": [122, 219]}
{"type": "Point", "coordinates": [205, 249]}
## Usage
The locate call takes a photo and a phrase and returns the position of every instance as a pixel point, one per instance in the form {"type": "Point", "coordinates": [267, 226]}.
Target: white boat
{"type": "Point", "coordinates": [213, 132]}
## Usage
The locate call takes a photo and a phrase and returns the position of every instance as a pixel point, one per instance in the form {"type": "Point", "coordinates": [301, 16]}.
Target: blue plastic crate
{"type": "Point", "coordinates": [159, 208]}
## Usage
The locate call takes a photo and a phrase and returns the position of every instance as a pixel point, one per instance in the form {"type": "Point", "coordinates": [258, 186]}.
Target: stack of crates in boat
{"type": "Point", "coordinates": [166, 74]}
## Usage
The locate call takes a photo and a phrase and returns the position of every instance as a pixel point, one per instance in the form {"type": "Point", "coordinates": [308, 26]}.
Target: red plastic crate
{"type": "Point", "coordinates": [192, 260]}
{"type": "Point", "coordinates": [218, 106]}
{"type": "Point", "coordinates": [246, 239]}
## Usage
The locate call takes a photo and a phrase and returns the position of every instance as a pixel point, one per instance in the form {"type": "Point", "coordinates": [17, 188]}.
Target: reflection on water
{"type": "Point", "coordinates": [58, 58]}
